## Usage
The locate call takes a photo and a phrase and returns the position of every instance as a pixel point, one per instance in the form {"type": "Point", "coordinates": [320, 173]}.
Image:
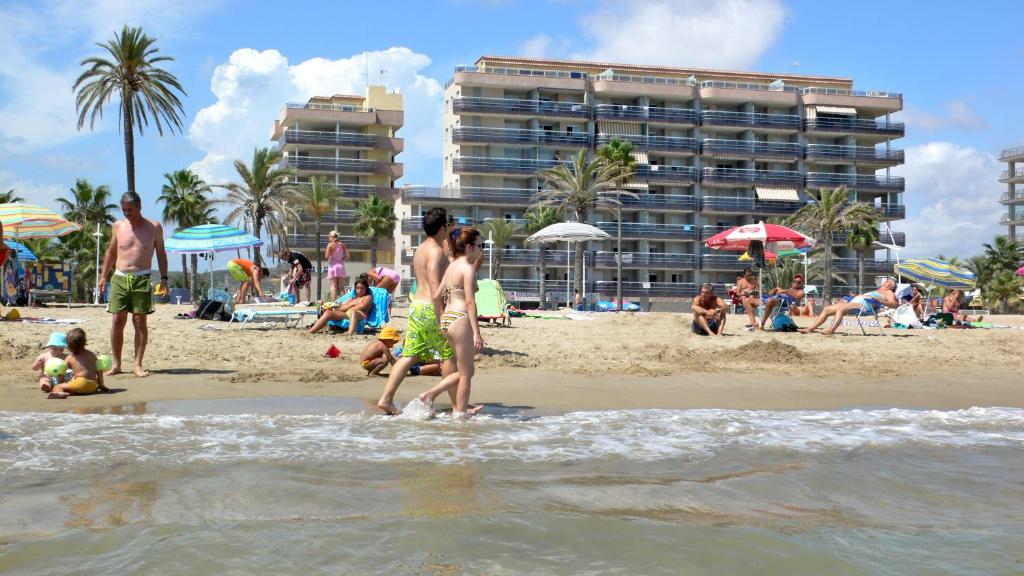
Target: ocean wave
{"type": "Point", "coordinates": [56, 442]}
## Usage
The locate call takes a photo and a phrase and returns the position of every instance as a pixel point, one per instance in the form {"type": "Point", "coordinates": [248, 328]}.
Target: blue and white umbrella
{"type": "Point", "coordinates": [210, 238]}
{"type": "Point", "coordinates": [21, 250]}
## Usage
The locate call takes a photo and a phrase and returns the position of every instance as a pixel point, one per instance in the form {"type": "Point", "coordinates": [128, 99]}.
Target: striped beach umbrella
{"type": "Point", "coordinates": [30, 221]}
{"type": "Point", "coordinates": [208, 238]}
{"type": "Point", "coordinates": [21, 250]}
{"type": "Point", "coordinates": [936, 272]}
{"type": "Point", "coordinates": [773, 236]}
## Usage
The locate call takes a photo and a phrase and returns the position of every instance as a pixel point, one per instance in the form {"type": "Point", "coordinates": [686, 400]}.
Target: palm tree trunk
{"type": "Point", "coordinates": [618, 257]}
{"type": "Point", "coordinates": [860, 272]}
{"type": "Point", "coordinates": [543, 272]}
{"type": "Point", "coordinates": [319, 263]}
{"type": "Point", "coordinates": [194, 285]}
{"type": "Point", "coordinates": [577, 283]}
{"type": "Point", "coordinates": [826, 288]}
{"type": "Point", "coordinates": [257, 227]}
{"type": "Point", "coordinates": [373, 252]}
{"type": "Point", "coordinates": [184, 270]}
{"type": "Point", "coordinates": [129, 141]}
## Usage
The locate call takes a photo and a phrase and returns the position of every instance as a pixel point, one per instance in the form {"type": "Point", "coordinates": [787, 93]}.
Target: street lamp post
{"type": "Point", "coordinates": [490, 257]}
{"type": "Point", "coordinates": [99, 236]}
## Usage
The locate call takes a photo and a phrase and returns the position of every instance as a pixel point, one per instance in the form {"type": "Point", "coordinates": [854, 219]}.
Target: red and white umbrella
{"type": "Point", "coordinates": [773, 236]}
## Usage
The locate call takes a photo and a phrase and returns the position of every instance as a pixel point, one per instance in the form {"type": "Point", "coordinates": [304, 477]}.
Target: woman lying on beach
{"type": "Point", "coordinates": [459, 320]}
{"type": "Point", "coordinates": [355, 310]}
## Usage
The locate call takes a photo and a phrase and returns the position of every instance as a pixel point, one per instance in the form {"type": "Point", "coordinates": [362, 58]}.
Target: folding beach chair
{"type": "Point", "coordinates": [378, 316]}
{"type": "Point", "coordinates": [491, 305]}
{"type": "Point", "coordinates": [862, 317]}
{"type": "Point", "coordinates": [286, 315]}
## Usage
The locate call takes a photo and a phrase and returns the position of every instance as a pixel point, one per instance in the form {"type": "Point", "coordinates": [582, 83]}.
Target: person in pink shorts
{"type": "Point", "coordinates": [336, 254]}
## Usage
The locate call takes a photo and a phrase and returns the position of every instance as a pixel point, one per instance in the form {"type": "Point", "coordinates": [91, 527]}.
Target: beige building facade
{"type": "Point", "coordinates": [353, 142]}
{"type": "Point", "coordinates": [713, 149]}
{"type": "Point", "coordinates": [1013, 196]}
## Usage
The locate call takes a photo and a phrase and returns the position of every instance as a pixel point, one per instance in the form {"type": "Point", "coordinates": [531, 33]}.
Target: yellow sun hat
{"type": "Point", "coordinates": [389, 333]}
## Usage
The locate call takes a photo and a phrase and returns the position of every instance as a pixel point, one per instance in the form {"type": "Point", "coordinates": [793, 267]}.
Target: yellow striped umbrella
{"type": "Point", "coordinates": [30, 221]}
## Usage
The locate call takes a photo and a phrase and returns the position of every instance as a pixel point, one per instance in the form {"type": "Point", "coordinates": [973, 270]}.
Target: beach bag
{"type": "Point", "coordinates": [783, 323]}
{"type": "Point", "coordinates": [905, 315]}
{"type": "Point", "coordinates": [212, 310]}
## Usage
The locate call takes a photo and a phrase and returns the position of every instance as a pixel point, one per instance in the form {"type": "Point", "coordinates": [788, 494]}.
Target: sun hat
{"type": "Point", "coordinates": [332, 233]}
{"type": "Point", "coordinates": [58, 339]}
{"type": "Point", "coordinates": [389, 333]}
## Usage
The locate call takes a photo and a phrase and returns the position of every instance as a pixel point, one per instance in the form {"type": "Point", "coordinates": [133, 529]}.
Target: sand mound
{"type": "Point", "coordinates": [772, 351]}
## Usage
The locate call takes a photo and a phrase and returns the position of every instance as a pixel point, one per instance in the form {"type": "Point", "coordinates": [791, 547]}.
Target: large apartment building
{"type": "Point", "coordinates": [713, 149]}
{"type": "Point", "coordinates": [1013, 196]}
{"type": "Point", "coordinates": [352, 142]}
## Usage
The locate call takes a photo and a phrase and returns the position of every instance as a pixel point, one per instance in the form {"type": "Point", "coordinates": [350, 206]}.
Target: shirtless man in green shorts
{"type": "Point", "coordinates": [130, 255]}
{"type": "Point", "coordinates": [423, 339]}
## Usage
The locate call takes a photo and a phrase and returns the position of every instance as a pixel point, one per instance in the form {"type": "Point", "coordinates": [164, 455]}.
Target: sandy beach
{"type": "Point", "coordinates": [601, 361]}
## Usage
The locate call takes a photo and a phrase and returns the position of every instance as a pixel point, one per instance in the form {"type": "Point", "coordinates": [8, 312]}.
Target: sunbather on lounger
{"type": "Point", "coordinates": [794, 292]}
{"type": "Point", "coordinates": [355, 310]}
{"type": "Point", "coordinates": [867, 302]}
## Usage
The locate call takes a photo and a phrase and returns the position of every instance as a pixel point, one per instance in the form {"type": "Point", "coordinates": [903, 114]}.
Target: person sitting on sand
{"type": "Point", "coordinates": [867, 303]}
{"type": "Point", "coordinates": [749, 292]}
{"type": "Point", "coordinates": [54, 349]}
{"type": "Point", "coordinates": [952, 304]}
{"type": "Point", "coordinates": [356, 310]}
{"type": "Point", "coordinates": [708, 312]}
{"type": "Point", "coordinates": [377, 353]}
{"type": "Point", "coordinates": [794, 292]}
{"type": "Point", "coordinates": [249, 275]}
{"type": "Point", "coordinates": [87, 379]}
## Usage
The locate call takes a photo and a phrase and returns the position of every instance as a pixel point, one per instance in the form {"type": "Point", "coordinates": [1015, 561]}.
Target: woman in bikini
{"type": "Point", "coordinates": [459, 320]}
{"type": "Point", "coordinates": [355, 310]}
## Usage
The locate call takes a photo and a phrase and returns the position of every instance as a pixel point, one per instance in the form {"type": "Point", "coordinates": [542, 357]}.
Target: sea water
{"type": "Point", "coordinates": [880, 491]}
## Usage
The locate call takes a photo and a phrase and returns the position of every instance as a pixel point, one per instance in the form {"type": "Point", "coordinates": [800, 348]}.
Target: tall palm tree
{"type": "Point", "coordinates": [574, 190]}
{"type": "Point", "coordinates": [88, 206]}
{"type": "Point", "coordinates": [831, 214]}
{"type": "Point", "coordinates": [10, 196]}
{"type": "Point", "coordinates": [860, 238]}
{"type": "Point", "coordinates": [187, 204]}
{"type": "Point", "coordinates": [620, 154]}
{"type": "Point", "coordinates": [500, 231]}
{"type": "Point", "coordinates": [374, 219]}
{"type": "Point", "coordinates": [538, 219]}
{"type": "Point", "coordinates": [1004, 253]}
{"type": "Point", "coordinates": [317, 200]}
{"type": "Point", "coordinates": [1004, 288]}
{"type": "Point", "coordinates": [132, 75]}
{"type": "Point", "coordinates": [261, 199]}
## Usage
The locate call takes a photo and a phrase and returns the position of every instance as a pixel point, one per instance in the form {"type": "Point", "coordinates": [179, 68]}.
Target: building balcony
{"type": "Point", "coordinates": [308, 241]}
{"type": "Point", "coordinates": [1015, 154]}
{"type": "Point", "coordinates": [521, 79]}
{"type": "Point", "coordinates": [1015, 197]}
{"type": "Point", "coordinates": [529, 257]}
{"type": "Point", "coordinates": [897, 238]}
{"type": "Point", "coordinates": [870, 266]}
{"type": "Point", "coordinates": [775, 95]}
{"type": "Point", "coordinates": [485, 165]}
{"type": "Point", "coordinates": [864, 155]}
{"type": "Point", "coordinates": [645, 260]}
{"type": "Point", "coordinates": [647, 289]}
{"type": "Point", "coordinates": [751, 149]}
{"type": "Point", "coordinates": [877, 100]}
{"type": "Point", "coordinates": [649, 114]}
{"type": "Point", "coordinates": [851, 125]}
{"type": "Point", "coordinates": [742, 205]}
{"type": "Point", "coordinates": [741, 177]}
{"type": "Point", "coordinates": [357, 191]}
{"type": "Point", "coordinates": [334, 217]}
{"type": "Point", "coordinates": [313, 113]}
{"type": "Point", "coordinates": [467, 196]}
{"type": "Point", "coordinates": [330, 139]}
{"type": "Point", "coordinates": [722, 262]}
{"type": "Point", "coordinates": [751, 120]}
{"type": "Point", "coordinates": [709, 231]}
{"type": "Point", "coordinates": [1012, 218]}
{"type": "Point", "coordinates": [665, 144]}
{"type": "Point", "coordinates": [891, 211]}
{"type": "Point", "coordinates": [865, 182]}
{"type": "Point", "coordinates": [663, 173]}
{"type": "Point", "coordinates": [660, 202]}
{"type": "Point", "coordinates": [516, 107]}
{"type": "Point", "coordinates": [325, 164]}
{"type": "Point", "coordinates": [468, 135]}
{"type": "Point", "coordinates": [642, 231]}
{"type": "Point", "coordinates": [1015, 177]}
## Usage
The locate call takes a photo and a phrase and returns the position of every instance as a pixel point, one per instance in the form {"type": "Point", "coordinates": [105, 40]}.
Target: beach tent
{"type": "Point", "coordinates": [491, 304]}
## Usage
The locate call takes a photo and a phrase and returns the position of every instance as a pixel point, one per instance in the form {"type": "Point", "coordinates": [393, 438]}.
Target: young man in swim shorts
{"type": "Point", "coordinates": [423, 338]}
{"type": "Point", "coordinates": [249, 274]}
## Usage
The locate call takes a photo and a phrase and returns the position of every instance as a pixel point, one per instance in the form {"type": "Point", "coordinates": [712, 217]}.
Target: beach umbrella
{"type": "Point", "coordinates": [773, 236]}
{"type": "Point", "coordinates": [1020, 271]}
{"type": "Point", "coordinates": [30, 221]}
{"type": "Point", "coordinates": [570, 232]}
{"type": "Point", "coordinates": [936, 272]}
{"type": "Point", "coordinates": [22, 251]}
{"type": "Point", "coordinates": [210, 238]}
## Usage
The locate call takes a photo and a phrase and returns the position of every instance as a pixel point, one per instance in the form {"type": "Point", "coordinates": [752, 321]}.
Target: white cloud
{"type": "Point", "coordinates": [957, 115]}
{"type": "Point", "coordinates": [41, 193]}
{"type": "Point", "coordinates": [699, 33]}
{"type": "Point", "coordinates": [955, 192]}
{"type": "Point", "coordinates": [252, 86]}
{"type": "Point", "coordinates": [536, 47]}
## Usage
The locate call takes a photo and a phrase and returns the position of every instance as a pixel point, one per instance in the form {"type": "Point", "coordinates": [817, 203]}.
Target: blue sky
{"type": "Point", "coordinates": [958, 67]}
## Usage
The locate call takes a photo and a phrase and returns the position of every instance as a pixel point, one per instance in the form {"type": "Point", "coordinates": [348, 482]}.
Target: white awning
{"type": "Point", "coordinates": [618, 128]}
{"type": "Point", "coordinates": [635, 185]}
{"type": "Point", "coordinates": [839, 110]}
{"type": "Point", "coordinates": [640, 157]}
{"type": "Point", "coordinates": [777, 194]}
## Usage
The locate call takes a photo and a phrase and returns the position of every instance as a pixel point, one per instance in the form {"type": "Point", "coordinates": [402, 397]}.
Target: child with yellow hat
{"type": "Point", "coordinates": [377, 353]}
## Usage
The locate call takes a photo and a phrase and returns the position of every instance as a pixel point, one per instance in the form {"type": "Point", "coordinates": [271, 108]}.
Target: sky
{"type": "Point", "coordinates": [958, 67]}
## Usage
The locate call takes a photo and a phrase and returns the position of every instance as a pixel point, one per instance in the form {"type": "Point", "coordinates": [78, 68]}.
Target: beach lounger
{"type": "Point", "coordinates": [491, 305]}
{"type": "Point", "coordinates": [378, 315]}
{"type": "Point", "coordinates": [866, 315]}
{"type": "Point", "coordinates": [286, 315]}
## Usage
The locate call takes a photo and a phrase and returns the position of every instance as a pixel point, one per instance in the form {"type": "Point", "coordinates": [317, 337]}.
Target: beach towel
{"type": "Point", "coordinates": [378, 315]}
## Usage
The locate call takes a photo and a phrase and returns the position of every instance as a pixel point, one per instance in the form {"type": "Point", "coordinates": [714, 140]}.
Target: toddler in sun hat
{"type": "Point", "coordinates": [54, 355]}
{"type": "Point", "coordinates": [377, 354]}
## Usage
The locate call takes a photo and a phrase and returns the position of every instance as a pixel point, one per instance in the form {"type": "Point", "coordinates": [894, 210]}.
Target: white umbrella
{"type": "Point", "coordinates": [569, 232]}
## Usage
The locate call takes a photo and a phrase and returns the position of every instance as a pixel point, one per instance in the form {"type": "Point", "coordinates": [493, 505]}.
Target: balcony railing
{"type": "Point", "coordinates": [680, 116]}
{"type": "Point", "coordinates": [656, 260]}
{"type": "Point", "coordinates": [897, 238]}
{"type": "Point", "coordinates": [660, 202]}
{"type": "Point", "coordinates": [871, 266]}
{"type": "Point", "coordinates": [856, 181]}
{"type": "Point", "coordinates": [845, 154]}
{"type": "Point", "coordinates": [709, 231]}
{"type": "Point", "coordinates": [468, 195]}
{"type": "Point", "coordinates": [1008, 197]}
{"type": "Point", "coordinates": [740, 205]}
{"type": "Point", "coordinates": [747, 86]}
{"type": "Point", "coordinates": [530, 257]}
{"type": "Point", "coordinates": [645, 289]}
{"type": "Point", "coordinates": [742, 176]}
{"type": "Point", "coordinates": [750, 120]}
{"type": "Point", "coordinates": [842, 92]}
{"type": "Point", "coordinates": [892, 211]}
{"type": "Point", "coordinates": [659, 143]}
{"type": "Point", "coordinates": [352, 190]}
{"type": "Point", "coordinates": [1011, 152]}
{"type": "Point", "coordinates": [331, 107]}
{"type": "Point", "coordinates": [466, 134]}
{"type": "Point", "coordinates": [751, 148]}
{"type": "Point", "coordinates": [314, 137]}
{"type": "Point", "coordinates": [332, 164]}
{"type": "Point", "coordinates": [636, 230]}
{"type": "Point", "coordinates": [540, 108]}
{"type": "Point", "coordinates": [1006, 176]}
{"type": "Point", "coordinates": [854, 125]}
{"type": "Point", "coordinates": [722, 262]}
{"type": "Point", "coordinates": [1008, 217]}
{"type": "Point", "coordinates": [309, 241]}
{"type": "Point", "coordinates": [503, 165]}
{"type": "Point", "coordinates": [666, 173]}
